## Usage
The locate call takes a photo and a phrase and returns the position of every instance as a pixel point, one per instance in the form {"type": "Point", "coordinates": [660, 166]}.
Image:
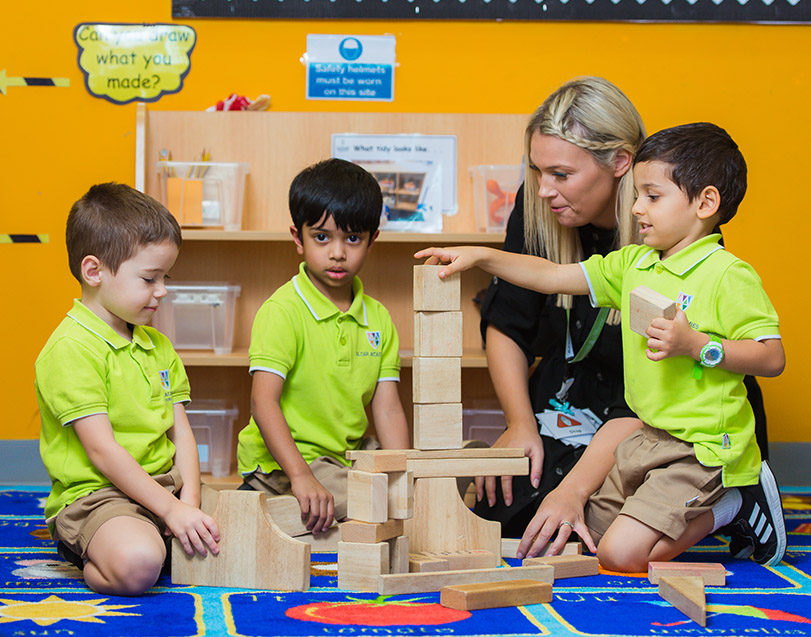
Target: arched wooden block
{"type": "Point", "coordinates": [442, 522]}
{"type": "Point", "coordinates": [254, 551]}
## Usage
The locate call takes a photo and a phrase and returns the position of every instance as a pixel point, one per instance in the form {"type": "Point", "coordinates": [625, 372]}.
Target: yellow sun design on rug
{"type": "Point", "coordinates": [53, 609]}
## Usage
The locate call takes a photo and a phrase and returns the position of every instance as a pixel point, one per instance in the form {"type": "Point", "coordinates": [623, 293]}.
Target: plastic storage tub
{"type": "Point", "coordinates": [494, 189]}
{"type": "Point", "coordinates": [212, 422]}
{"type": "Point", "coordinates": [203, 194]}
{"type": "Point", "coordinates": [199, 315]}
{"type": "Point", "coordinates": [483, 424]}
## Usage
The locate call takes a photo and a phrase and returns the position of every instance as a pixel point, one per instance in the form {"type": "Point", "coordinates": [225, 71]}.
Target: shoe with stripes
{"type": "Point", "coordinates": [759, 529]}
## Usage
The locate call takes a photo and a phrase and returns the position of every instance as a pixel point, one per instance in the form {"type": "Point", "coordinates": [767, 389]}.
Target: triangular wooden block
{"type": "Point", "coordinates": [687, 594]}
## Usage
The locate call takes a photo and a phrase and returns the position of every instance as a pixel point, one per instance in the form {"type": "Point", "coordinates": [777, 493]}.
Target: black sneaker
{"type": "Point", "coordinates": [759, 529]}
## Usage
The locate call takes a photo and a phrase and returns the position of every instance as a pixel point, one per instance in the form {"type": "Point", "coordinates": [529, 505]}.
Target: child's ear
{"type": "Point", "coordinates": [296, 238]}
{"type": "Point", "coordinates": [373, 237]}
{"type": "Point", "coordinates": [622, 162]}
{"type": "Point", "coordinates": [91, 270]}
{"type": "Point", "coordinates": [709, 200]}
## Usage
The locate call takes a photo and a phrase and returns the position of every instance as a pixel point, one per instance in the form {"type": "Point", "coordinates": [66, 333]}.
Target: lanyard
{"type": "Point", "coordinates": [591, 339]}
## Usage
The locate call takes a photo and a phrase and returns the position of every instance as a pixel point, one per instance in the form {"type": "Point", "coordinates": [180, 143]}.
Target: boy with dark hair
{"type": "Point", "coordinates": [115, 439]}
{"type": "Point", "coordinates": [322, 351]}
{"type": "Point", "coordinates": [674, 480]}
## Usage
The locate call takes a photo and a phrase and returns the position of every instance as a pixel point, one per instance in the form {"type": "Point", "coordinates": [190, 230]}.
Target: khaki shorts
{"type": "Point", "coordinates": [657, 480]}
{"type": "Point", "coordinates": [77, 523]}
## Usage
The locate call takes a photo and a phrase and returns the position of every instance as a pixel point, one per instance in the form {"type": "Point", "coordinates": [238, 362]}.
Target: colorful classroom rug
{"type": "Point", "coordinates": [42, 595]}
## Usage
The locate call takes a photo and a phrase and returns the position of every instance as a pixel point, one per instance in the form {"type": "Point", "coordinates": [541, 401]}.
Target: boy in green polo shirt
{"type": "Point", "coordinates": [114, 438]}
{"type": "Point", "coordinates": [694, 468]}
{"type": "Point", "coordinates": [322, 351]}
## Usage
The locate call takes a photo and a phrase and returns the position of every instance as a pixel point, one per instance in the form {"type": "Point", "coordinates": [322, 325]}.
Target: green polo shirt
{"type": "Point", "coordinates": [331, 362]}
{"type": "Point", "coordinates": [720, 294]}
{"type": "Point", "coordinates": [87, 368]}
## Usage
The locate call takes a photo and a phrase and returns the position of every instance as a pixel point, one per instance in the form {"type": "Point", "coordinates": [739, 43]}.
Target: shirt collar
{"type": "Point", "coordinates": [685, 259]}
{"type": "Point", "coordinates": [320, 306]}
{"type": "Point", "coordinates": [94, 324]}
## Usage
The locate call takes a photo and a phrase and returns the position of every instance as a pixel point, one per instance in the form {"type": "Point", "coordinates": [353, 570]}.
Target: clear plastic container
{"type": "Point", "coordinates": [494, 189]}
{"type": "Point", "coordinates": [483, 424]}
{"type": "Point", "coordinates": [204, 194]}
{"type": "Point", "coordinates": [212, 422]}
{"type": "Point", "coordinates": [198, 315]}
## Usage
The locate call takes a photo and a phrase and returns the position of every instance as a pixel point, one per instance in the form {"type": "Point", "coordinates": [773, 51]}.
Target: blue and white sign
{"type": "Point", "coordinates": [345, 67]}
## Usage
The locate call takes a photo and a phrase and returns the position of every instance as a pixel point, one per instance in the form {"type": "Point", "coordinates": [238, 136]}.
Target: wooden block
{"type": "Point", "coordinates": [254, 551]}
{"type": "Point", "coordinates": [360, 565]}
{"type": "Point", "coordinates": [432, 294]}
{"type": "Point", "coordinates": [714, 574]}
{"type": "Point", "coordinates": [646, 305]}
{"type": "Point", "coordinates": [568, 565]}
{"type": "Point", "coordinates": [438, 426]}
{"type": "Point", "coordinates": [367, 496]}
{"type": "Point", "coordinates": [438, 334]}
{"type": "Point", "coordinates": [462, 467]}
{"type": "Point", "coordinates": [286, 512]}
{"type": "Point", "coordinates": [495, 594]}
{"type": "Point", "coordinates": [378, 461]}
{"type": "Point", "coordinates": [424, 563]}
{"type": "Point", "coordinates": [687, 594]}
{"type": "Point", "coordinates": [401, 495]}
{"type": "Point", "coordinates": [476, 453]}
{"type": "Point", "coordinates": [406, 583]}
{"type": "Point", "coordinates": [326, 542]}
{"type": "Point", "coordinates": [437, 380]}
{"type": "Point", "coordinates": [357, 531]}
{"type": "Point", "coordinates": [457, 560]}
{"type": "Point", "coordinates": [509, 547]}
{"type": "Point", "coordinates": [398, 554]}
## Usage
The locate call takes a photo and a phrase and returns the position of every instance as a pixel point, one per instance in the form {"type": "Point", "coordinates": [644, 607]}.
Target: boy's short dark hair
{"type": "Point", "coordinates": [700, 155]}
{"type": "Point", "coordinates": [343, 190]}
{"type": "Point", "coordinates": [111, 222]}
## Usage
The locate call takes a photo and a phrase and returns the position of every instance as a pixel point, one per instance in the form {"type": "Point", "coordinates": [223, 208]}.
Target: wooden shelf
{"type": "Point", "coordinates": [423, 238]}
{"type": "Point", "coordinates": [472, 358]}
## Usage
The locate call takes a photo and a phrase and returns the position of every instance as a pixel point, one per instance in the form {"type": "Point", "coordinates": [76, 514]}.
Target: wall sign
{"type": "Point", "coordinates": [134, 62]}
{"type": "Point", "coordinates": [345, 67]}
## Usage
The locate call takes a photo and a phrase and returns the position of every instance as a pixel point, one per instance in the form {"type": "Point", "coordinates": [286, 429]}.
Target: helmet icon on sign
{"type": "Point", "coordinates": [350, 49]}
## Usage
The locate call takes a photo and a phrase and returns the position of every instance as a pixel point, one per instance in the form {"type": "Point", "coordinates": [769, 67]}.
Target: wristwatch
{"type": "Point", "coordinates": [713, 352]}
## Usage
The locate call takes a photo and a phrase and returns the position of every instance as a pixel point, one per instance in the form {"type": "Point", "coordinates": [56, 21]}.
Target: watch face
{"type": "Point", "coordinates": [712, 354]}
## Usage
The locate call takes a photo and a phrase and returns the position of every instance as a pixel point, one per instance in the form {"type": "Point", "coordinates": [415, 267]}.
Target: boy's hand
{"type": "Point", "coordinates": [458, 258]}
{"type": "Point", "coordinates": [316, 502]}
{"type": "Point", "coordinates": [530, 441]}
{"type": "Point", "coordinates": [667, 338]}
{"type": "Point", "coordinates": [196, 530]}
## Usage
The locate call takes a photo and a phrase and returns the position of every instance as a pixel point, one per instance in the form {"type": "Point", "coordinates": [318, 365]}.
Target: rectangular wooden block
{"type": "Point", "coordinates": [377, 461]}
{"type": "Point", "coordinates": [401, 495]}
{"type": "Point", "coordinates": [357, 531]}
{"type": "Point", "coordinates": [367, 496]}
{"type": "Point", "coordinates": [687, 594]}
{"type": "Point", "coordinates": [646, 305]}
{"type": "Point", "coordinates": [422, 563]}
{"type": "Point", "coordinates": [407, 583]}
{"type": "Point", "coordinates": [463, 467]}
{"type": "Point", "coordinates": [509, 547]}
{"type": "Point", "coordinates": [454, 560]}
{"type": "Point", "coordinates": [398, 554]}
{"type": "Point", "coordinates": [713, 573]}
{"type": "Point", "coordinates": [495, 594]}
{"type": "Point", "coordinates": [360, 565]}
{"type": "Point", "coordinates": [438, 334]}
{"type": "Point", "coordinates": [432, 294]}
{"type": "Point", "coordinates": [437, 380]}
{"type": "Point", "coordinates": [568, 565]}
{"type": "Point", "coordinates": [438, 426]}
{"type": "Point", "coordinates": [471, 454]}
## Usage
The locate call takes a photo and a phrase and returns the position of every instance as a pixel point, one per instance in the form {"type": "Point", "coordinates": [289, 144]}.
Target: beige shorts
{"type": "Point", "coordinates": [657, 480]}
{"type": "Point", "coordinates": [77, 523]}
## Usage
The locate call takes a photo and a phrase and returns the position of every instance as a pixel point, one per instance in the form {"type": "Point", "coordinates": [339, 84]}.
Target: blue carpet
{"type": "Point", "coordinates": [42, 595]}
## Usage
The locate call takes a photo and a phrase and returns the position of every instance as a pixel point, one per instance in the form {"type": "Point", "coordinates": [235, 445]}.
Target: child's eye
{"type": "Point", "coordinates": [353, 238]}
{"type": "Point", "coordinates": [653, 197]}
{"type": "Point", "coordinates": [148, 280]}
{"type": "Point", "coordinates": [320, 237]}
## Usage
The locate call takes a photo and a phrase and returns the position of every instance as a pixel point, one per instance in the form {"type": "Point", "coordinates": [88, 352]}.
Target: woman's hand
{"type": "Point", "coordinates": [457, 259]}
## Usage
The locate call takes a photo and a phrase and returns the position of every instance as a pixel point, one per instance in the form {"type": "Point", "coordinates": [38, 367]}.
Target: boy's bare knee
{"type": "Point", "coordinates": [131, 572]}
{"type": "Point", "coordinates": [621, 556]}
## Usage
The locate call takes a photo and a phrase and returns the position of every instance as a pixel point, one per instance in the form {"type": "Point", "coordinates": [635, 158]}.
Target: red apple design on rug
{"type": "Point", "coordinates": [376, 612]}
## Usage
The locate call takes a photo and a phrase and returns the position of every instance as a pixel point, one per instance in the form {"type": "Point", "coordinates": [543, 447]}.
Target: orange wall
{"type": "Point", "coordinates": [752, 79]}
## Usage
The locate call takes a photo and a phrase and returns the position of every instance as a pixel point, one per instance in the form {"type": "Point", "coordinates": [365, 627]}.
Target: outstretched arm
{"type": "Point", "coordinates": [533, 273]}
{"type": "Point", "coordinates": [390, 421]}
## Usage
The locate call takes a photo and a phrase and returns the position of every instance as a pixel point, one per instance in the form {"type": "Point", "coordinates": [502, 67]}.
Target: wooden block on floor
{"type": "Point", "coordinates": [714, 574]}
{"type": "Point", "coordinates": [367, 496]}
{"type": "Point", "coordinates": [568, 565]}
{"type": "Point", "coordinates": [438, 334]}
{"type": "Point", "coordinates": [436, 380]}
{"type": "Point", "coordinates": [370, 533]}
{"type": "Point", "coordinates": [254, 551]}
{"type": "Point", "coordinates": [286, 512]}
{"type": "Point", "coordinates": [458, 560]}
{"type": "Point", "coordinates": [438, 426]}
{"type": "Point", "coordinates": [509, 547]}
{"type": "Point", "coordinates": [377, 461]}
{"type": "Point", "coordinates": [646, 305]}
{"type": "Point", "coordinates": [687, 594]}
{"type": "Point", "coordinates": [520, 592]}
{"type": "Point", "coordinates": [471, 453]}
{"type": "Point", "coordinates": [432, 294]}
{"type": "Point", "coordinates": [326, 542]}
{"type": "Point", "coordinates": [408, 583]}
{"type": "Point", "coordinates": [424, 563]}
{"type": "Point", "coordinates": [398, 554]}
{"type": "Point", "coordinates": [360, 565]}
{"type": "Point", "coordinates": [463, 467]}
{"type": "Point", "coordinates": [401, 495]}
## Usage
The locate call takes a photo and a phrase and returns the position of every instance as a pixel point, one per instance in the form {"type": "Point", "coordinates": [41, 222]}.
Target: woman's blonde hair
{"type": "Point", "coordinates": [592, 114]}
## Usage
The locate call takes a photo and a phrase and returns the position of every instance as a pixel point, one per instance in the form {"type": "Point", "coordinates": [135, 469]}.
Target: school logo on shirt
{"type": "Point", "coordinates": [373, 338]}
{"type": "Point", "coordinates": [684, 300]}
{"type": "Point", "coordinates": [165, 379]}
